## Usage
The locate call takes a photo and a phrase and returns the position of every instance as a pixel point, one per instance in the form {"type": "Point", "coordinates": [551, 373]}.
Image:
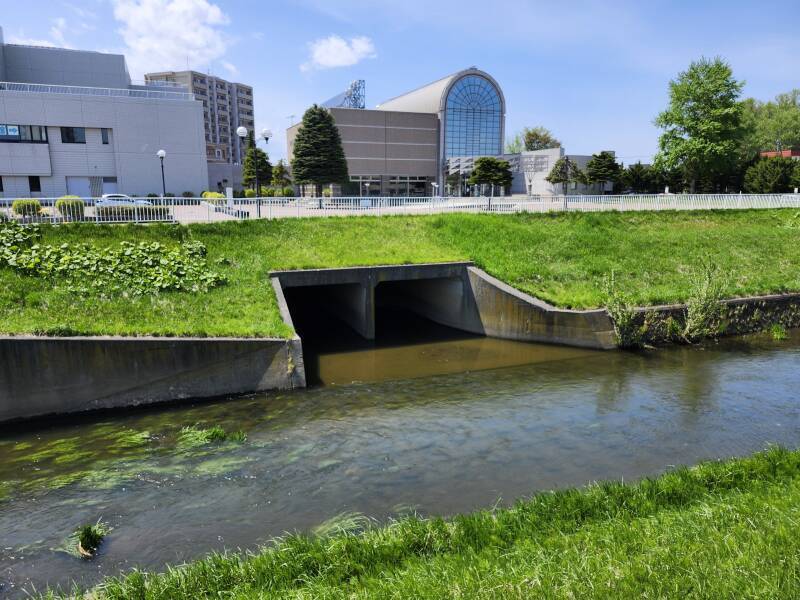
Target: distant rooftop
{"type": "Point", "coordinates": [43, 88]}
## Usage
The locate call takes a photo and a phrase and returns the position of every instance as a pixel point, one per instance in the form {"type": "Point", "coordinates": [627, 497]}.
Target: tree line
{"type": "Point", "coordinates": [711, 141]}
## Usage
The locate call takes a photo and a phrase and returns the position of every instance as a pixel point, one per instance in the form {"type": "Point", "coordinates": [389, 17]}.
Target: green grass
{"type": "Point", "coordinates": [718, 530]}
{"type": "Point", "coordinates": [560, 258]}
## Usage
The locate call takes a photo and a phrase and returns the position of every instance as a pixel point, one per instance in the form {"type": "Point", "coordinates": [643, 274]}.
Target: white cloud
{"type": "Point", "coordinates": [167, 34]}
{"type": "Point", "coordinates": [334, 51]}
{"type": "Point", "coordinates": [56, 37]}
{"type": "Point", "coordinates": [230, 68]}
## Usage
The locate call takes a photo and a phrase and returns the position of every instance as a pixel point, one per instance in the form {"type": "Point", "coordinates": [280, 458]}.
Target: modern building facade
{"type": "Point", "coordinates": [226, 106]}
{"type": "Point", "coordinates": [72, 122]}
{"type": "Point", "coordinates": [402, 146]}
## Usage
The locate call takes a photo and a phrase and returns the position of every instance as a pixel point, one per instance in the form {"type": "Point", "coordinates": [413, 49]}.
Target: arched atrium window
{"type": "Point", "coordinates": [473, 116]}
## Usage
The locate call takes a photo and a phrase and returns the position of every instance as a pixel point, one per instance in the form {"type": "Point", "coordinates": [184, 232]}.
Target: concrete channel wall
{"type": "Point", "coordinates": [58, 375]}
{"type": "Point", "coordinates": [457, 294]}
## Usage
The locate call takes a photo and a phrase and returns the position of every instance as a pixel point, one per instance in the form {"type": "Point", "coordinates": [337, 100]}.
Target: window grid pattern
{"type": "Point", "coordinates": [473, 118]}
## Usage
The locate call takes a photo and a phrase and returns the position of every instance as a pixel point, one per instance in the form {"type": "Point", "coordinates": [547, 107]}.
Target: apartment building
{"type": "Point", "coordinates": [72, 122]}
{"type": "Point", "coordinates": [226, 106]}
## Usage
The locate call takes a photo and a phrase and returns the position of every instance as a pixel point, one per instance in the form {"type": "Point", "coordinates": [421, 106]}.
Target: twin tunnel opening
{"type": "Point", "coordinates": [357, 310]}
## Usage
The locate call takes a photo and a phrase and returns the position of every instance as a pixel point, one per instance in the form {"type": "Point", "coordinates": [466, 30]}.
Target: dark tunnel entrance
{"type": "Point", "coordinates": [338, 322]}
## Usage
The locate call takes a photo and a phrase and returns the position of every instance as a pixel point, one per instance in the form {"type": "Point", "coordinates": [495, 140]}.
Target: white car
{"type": "Point", "coordinates": [121, 200]}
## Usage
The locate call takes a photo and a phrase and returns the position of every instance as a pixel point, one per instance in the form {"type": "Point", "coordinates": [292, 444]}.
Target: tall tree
{"type": "Point", "coordinates": [771, 176]}
{"type": "Point", "coordinates": [318, 155]}
{"type": "Point", "coordinates": [539, 138]}
{"type": "Point", "coordinates": [771, 125]}
{"type": "Point", "coordinates": [566, 171]}
{"type": "Point", "coordinates": [516, 144]}
{"type": "Point", "coordinates": [253, 156]}
{"type": "Point", "coordinates": [492, 171]}
{"type": "Point", "coordinates": [603, 168]}
{"type": "Point", "coordinates": [280, 175]}
{"type": "Point", "coordinates": [702, 124]}
{"type": "Point", "coordinates": [638, 178]}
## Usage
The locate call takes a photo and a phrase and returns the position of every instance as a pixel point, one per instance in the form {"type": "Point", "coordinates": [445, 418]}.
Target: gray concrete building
{"type": "Point", "coordinates": [226, 106]}
{"type": "Point", "coordinates": [401, 147]}
{"type": "Point", "coordinates": [72, 122]}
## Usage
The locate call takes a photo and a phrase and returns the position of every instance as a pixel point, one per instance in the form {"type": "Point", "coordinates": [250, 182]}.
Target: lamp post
{"type": "Point", "coordinates": [161, 154]}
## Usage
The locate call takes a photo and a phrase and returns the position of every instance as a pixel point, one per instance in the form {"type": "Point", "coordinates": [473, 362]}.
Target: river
{"type": "Point", "coordinates": [396, 428]}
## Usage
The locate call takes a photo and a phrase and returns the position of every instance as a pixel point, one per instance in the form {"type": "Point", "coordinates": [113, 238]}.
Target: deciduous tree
{"type": "Point", "coordinates": [702, 124]}
{"type": "Point", "coordinates": [539, 138]}
{"type": "Point", "coordinates": [490, 170]}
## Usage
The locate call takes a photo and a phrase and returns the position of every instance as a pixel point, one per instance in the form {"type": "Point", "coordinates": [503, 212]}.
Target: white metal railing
{"type": "Point", "coordinates": [189, 210]}
{"type": "Point", "coordinates": [41, 88]}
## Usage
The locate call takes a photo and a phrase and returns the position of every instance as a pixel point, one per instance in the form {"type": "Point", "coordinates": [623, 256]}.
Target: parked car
{"type": "Point", "coordinates": [121, 200]}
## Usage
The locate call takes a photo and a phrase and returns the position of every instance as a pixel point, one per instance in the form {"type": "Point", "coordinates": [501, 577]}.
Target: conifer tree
{"type": "Point", "coordinates": [318, 155]}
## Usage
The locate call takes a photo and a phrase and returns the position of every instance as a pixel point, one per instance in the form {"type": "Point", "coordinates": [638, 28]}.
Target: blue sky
{"type": "Point", "coordinates": [595, 73]}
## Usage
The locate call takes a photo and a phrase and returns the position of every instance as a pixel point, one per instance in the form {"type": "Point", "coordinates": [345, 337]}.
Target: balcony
{"type": "Point", "coordinates": [40, 88]}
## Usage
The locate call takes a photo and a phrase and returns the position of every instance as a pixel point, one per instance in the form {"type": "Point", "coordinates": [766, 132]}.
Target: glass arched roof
{"type": "Point", "coordinates": [473, 118]}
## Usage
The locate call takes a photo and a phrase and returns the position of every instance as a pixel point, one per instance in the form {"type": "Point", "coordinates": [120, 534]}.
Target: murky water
{"type": "Point", "coordinates": [439, 444]}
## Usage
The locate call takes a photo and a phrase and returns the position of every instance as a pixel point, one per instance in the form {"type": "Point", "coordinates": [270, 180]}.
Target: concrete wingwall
{"type": "Point", "coordinates": [53, 375]}
{"type": "Point", "coordinates": [458, 295]}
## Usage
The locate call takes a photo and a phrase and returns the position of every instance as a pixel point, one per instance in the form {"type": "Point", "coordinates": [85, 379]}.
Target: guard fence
{"type": "Point", "coordinates": [192, 210]}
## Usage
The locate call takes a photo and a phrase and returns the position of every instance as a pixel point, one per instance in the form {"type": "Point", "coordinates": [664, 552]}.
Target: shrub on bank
{"type": "Point", "coordinates": [133, 213]}
{"type": "Point", "coordinates": [71, 207]}
{"type": "Point", "coordinates": [27, 207]}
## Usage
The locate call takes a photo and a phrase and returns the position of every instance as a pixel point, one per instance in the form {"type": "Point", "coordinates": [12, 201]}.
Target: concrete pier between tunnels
{"type": "Point", "coordinates": [457, 295]}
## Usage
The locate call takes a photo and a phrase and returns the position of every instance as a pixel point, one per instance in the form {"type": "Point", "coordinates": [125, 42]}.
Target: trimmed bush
{"type": "Point", "coordinates": [133, 213]}
{"type": "Point", "coordinates": [188, 194]}
{"type": "Point", "coordinates": [27, 207]}
{"type": "Point", "coordinates": [250, 194]}
{"type": "Point", "coordinates": [71, 207]}
{"type": "Point", "coordinates": [210, 194]}
{"type": "Point", "coordinates": [152, 195]}
{"type": "Point", "coordinates": [287, 192]}
{"type": "Point", "coordinates": [268, 192]}
{"type": "Point", "coordinates": [169, 195]}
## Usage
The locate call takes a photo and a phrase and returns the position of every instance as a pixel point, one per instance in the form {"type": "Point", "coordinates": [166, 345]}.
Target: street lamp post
{"type": "Point", "coordinates": [161, 154]}
{"type": "Point", "coordinates": [241, 131]}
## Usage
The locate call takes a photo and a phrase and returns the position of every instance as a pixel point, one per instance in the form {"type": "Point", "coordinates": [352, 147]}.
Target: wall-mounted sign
{"type": "Point", "coordinates": [13, 130]}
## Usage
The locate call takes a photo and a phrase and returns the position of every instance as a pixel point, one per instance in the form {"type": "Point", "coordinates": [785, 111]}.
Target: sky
{"type": "Point", "coordinates": [595, 73]}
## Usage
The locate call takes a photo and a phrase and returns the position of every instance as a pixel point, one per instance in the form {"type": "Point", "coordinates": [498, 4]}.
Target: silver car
{"type": "Point", "coordinates": [121, 200]}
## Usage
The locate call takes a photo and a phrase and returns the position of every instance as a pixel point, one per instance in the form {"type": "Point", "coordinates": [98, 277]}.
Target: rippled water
{"type": "Point", "coordinates": [438, 444]}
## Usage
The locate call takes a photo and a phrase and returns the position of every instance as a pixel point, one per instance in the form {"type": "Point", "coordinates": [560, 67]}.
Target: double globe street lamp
{"type": "Point", "coordinates": [242, 132]}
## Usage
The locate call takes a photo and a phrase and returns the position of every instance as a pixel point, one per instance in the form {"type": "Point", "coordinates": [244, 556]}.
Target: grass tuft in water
{"type": "Point", "coordinates": [719, 529]}
{"type": "Point", "coordinates": [86, 540]}
{"type": "Point", "coordinates": [193, 436]}
{"type": "Point", "coordinates": [778, 332]}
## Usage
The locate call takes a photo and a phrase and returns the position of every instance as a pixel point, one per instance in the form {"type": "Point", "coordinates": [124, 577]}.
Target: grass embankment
{"type": "Point", "coordinates": [718, 530]}
{"type": "Point", "coordinates": [563, 259]}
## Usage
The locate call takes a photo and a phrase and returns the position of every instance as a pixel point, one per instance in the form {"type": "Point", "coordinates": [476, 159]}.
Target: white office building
{"type": "Point", "coordinates": [72, 122]}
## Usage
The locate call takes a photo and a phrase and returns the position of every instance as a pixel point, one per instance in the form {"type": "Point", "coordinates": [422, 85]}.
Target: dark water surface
{"type": "Point", "coordinates": [440, 444]}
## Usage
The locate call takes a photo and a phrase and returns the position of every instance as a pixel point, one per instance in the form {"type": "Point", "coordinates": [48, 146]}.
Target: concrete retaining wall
{"type": "Point", "coordinates": [53, 375]}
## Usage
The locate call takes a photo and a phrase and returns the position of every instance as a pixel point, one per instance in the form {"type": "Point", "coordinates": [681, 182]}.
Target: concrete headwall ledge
{"type": "Point", "coordinates": [57, 375]}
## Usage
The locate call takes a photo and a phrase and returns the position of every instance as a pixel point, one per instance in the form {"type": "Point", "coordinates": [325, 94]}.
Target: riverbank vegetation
{"type": "Point", "coordinates": [717, 530]}
{"type": "Point", "coordinates": [561, 258]}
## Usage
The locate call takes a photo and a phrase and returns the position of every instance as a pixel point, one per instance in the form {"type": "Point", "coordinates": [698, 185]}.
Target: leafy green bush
{"type": "Point", "coordinates": [250, 194]}
{"type": "Point", "coordinates": [288, 192]}
{"type": "Point", "coordinates": [71, 207]}
{"type": "Point", "coordinates": [130, 269]}
{"type": "Point", "coordinates": [269, 192]}
{"type": "Point", "coordinates": [327, 192]}
{"type": "Point", "coordinates": [169, 195]}
{"type": "Point", "coordinates": [142, 212]}
{"type": "Point", "coordinates": [152, 195]}
{"type": "Point", "coordinates": [187, 194]}
{"type": "Point", "coordinates": [210, 194]}
{"type": "Point", "coordinates": [26, 207]}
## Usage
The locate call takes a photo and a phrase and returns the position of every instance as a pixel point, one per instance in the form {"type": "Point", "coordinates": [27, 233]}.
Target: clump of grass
{"type": "Point", "coordinates": [703, 308]}
{"type": "Point", "coordinates": [86, 540]}
{"type": "Point", "coordinates": [627, 328]}
{"type": "Point", "coordinates": [778, 332]}
{"type": "Point", "coordinates": [192, 436]}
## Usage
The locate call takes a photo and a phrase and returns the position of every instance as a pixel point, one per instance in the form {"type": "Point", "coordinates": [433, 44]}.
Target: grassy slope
{"type": "Point", "coordinates": [559, 258]}
{"type": "Point", "coordinates": [719, 530]}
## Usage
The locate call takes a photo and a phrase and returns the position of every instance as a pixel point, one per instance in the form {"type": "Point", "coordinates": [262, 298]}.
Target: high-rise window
{"type": "Point", "coordinates": [104, 135]}
{"type": "Point", "coordinates": [473, 118]}
{"type": "Point", "coordinates": [34, 183]}
{"type": "Point", "coordinates": [73, 135]}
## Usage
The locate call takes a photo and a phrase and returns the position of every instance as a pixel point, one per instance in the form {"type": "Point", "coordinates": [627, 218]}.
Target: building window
{"type": "Point", "coordinates": [104, 135]}
{"type": "Point", "coordinates": [1, 184]}
{"type": "Point", "coordinates": [34, 183]}
{"type": "Point", "coordinates": [473, 118]}
{"type": "Point", "coordinates": [73, 135]}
